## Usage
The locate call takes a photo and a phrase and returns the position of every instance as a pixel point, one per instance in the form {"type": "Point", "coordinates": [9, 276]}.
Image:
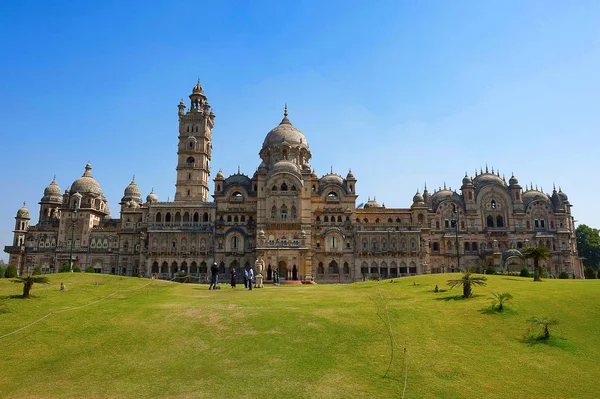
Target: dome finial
{"type": "Point", "coordinates": [285, 112]}
{"type": "Point", "coordinates": [239, 169]}
{"type": "Point", "coordinates": [444, 185]}
{"type": "Point", "coordinates": [331, 169]}
{"type": "Point", "coordinates": [24, 203]}
{"type": "Point", "coordinates": [486, 168]}
{"type": "Point", "coordinates": [133, 179]}
{"type": "Point", "coordinates": [553, 186]}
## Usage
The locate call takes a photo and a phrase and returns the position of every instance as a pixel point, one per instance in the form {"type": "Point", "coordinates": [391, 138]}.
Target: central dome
{"type": "Point", "coordinates": [285, 132]}
{"type": "Point", "coordinates": [86, 184]}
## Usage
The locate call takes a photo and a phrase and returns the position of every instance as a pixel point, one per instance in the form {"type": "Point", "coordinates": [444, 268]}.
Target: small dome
{"type": "Point", "coordinates": [219, 175]}
{"type": "Point", "coordinates": [132, 190]}
{"type": "Point", "coordinates": [285, 166]}
{"type": "Point", "coordinates": [350, 176]}
{"type": "Point", "coordinates": [152, 197]}
{"type": "Point", "coordinates": [562, 195]}
{"type": "Point", "coordinates": [53, 193]}
{"type": "Point", "coordinates": [418, 198]}
{"type": "Point", "coordinates": [486, 179]}
{"type": "Point", "coordinates": [86, 184]}
{"type": "Point", "coordinates": [466, 180]}
{"type": "Point", "coordinates": [198, 88]}
{"type": "Point", "coordinates": [23, 212]}
{"type": "Point", "coordinates": [372, 203]}
{"type": "Point", "coordinates": [331, 179]}
{"type": "Point", "coordinates": [513, 181]}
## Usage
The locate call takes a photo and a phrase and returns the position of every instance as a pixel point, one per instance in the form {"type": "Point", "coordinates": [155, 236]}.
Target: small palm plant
{"type": "Point", "coordinates": [28, 282]}
{"type": "Point", "coordinates": [544, 323]}
{"type": "Point", "coordinates": [499, 298]}
{"type": "Point", "coordinates": [467, 281]}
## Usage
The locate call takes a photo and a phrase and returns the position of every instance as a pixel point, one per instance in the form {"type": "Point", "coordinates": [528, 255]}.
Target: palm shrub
{"type": "Point", "coordinates": [28, 282]}
{"type": "Point", "coordinates": [537, 254]}
{"type": "Point", "coordinates": [467, 281]}
{"type": "Point", "coordinates": [544, 323]}
{"type": "Point", "coordinates": [490, 270]}
{"type": "Point", "coordinates": [525, 272]}
{"type": "Point", "coordinates": [499, 298]}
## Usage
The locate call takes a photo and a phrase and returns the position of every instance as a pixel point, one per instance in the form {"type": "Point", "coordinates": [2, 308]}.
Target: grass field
{"type": "Point", "coordinates": [155, 339]}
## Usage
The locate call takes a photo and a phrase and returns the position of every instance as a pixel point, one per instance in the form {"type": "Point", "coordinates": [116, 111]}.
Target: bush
{"type": "Point", "coordinates": [525, 272]}
{"type": "Point", "coordinates": [90, 270]}
{"type": "Point", "coordinates": [544, 273]}
{"type": "Point", "coordinates": [37, 271]}
{"type": "Point", "coordinates": [590, 273]}
{"type": "Point", "coordinates": [490, 270]}
{"type": "Point", "coordinates": [10, 271]}
{"type": "Point", "coordinates": [76, 269]}
{"type": "Point", "coordinates": [65, 268]}
{"type": "Point", "coordinates": [563, 275]}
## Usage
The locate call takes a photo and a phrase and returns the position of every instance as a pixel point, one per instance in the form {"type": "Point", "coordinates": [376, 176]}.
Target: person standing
{"type": "Point", "coordinates": [250, 278]}
{"type": "Point", "coordinates": [233, 277]}
{"type": "Point", "coordinates": [214, 276]}
{"type": "Point", "coordinates": [246, 278]}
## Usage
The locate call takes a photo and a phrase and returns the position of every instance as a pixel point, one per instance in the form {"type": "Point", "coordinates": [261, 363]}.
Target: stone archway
{"type": "Point", "coordinates": [283, 270]}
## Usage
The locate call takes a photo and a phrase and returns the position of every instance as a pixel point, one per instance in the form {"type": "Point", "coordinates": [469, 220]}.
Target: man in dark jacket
{"type": "Point", "coordinates": [214, 276]}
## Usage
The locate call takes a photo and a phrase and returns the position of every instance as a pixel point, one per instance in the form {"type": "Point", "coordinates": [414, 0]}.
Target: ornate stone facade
{"type": "Point", "coordinates": [305, 226]}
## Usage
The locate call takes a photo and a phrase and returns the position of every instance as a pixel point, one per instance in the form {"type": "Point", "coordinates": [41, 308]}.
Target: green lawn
{"type": "Point", "coordinates": [168, 340]}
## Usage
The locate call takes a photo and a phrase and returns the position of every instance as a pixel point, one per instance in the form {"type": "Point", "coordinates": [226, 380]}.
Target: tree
{"type": "Point", "coordinates": [590, 273]}
{"type": "Point", "coordinates": [28, 282]}
{"type": "Point", "coordinates": [467, 281]}
{"type": "Point", "coordinates": [588, 245]}
{"type": "Point", "coordinates": [499, 298]}
{"type": "Point", "coordinates": [538, 254]}
{"type": "Point", "coordinates": [10, 271]}
{"type": "Point", "coordinates": [543, 323]}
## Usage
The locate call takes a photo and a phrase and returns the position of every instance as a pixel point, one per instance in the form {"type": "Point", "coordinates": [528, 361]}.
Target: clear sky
{"type": "Point", "coordinates": [402, 92]}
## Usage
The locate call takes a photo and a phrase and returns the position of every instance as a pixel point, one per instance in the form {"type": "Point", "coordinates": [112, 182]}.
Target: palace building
{"type": "Point", "coordinates": [308, 227]}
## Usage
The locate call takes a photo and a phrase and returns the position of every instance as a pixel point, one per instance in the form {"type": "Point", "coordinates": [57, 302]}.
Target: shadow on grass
{"type": "Point", "coordinates": [553, 341]}
{"type": "Point", "coordinates": [495, 311]}
{"type": "Point", "coordinates": [456, 298]}
{"type": "Point", "coordinates": [16, 297]}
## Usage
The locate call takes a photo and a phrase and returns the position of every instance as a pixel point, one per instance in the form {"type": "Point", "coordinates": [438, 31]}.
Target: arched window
{"type": "Point", "coordinates": [235, 219]}
{"type": "Point", "coordinates": [346, 268]}
{"type": "Point", "coordinates": [326, 219]}
{"type": "Point", "coordinates": [474, 246]}
{"type": "Point", "coordinates": [186, 217]}
{"type": "Point", "coordinates": [168, 217]}
{"type": "Point", "coordinates": [158, 217]}
{"type": "Point", "coordinates": [293, 212]}
{"type": "Point", "coordinates": [490, 221]}
{"type": "Point", "coordinates": [273, 212]}
{"type": "Point", "coordinates": [374, 243]}
{"type": "Point", "coordinates": [205, 217]}
{"type": "Point", "coordinates": [284, 187]}
{"type": "Point", "coordinates": [283, 212]}
{"type": "Point", "coordinates": [321, 269]}
{"type": "Point", "coordinates": [390, 220]}
{"type": "Point", "coordinates": [229, 219]}
{"type": "Point", "coordinates": [293, 188]}
{"type": "Point", "coordinates": [190, 161]}
{"type": "Point", "coordinates": [339, 219]}
{"type": "Point", "coordinates": [274, 188]}
{"type": "Point", "coordinates": [364, 244]}
{"type": "Point", "coordinates": [436, 246]}
{"type": "Point", "coordinates": [332, 195]}
{"type": "Point", "coordinates": [493, 204]}
{"type": "Point", "coordinates": [318, 218]}
{"type": "Point", "coordinates": [177, 217]}
{"type": "Point", "coordinates": [377, 220]}
{"type": "Point", "coordinates": [243, 219]}
{"type": "Point", "coordinates": [234, 242]}
{"type": "Point", "coordinates": [467, 246]}
{"type": "Point", "coordinates": [196, 216]}
{"type": "Point", "coordinates": [499, 221]}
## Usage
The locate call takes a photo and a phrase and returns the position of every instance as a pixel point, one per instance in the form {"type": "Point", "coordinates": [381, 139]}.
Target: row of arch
{"type": "Point", "coordinates": [383, 244]}
{"type": "Point", "coordinates": [332, 219]}
{"type": "Point", "coordinates": [420, 220]}
{"type": "Point", "coordinates": [392, 270]}
{"type": "Point", "coordinates": [177, 218]}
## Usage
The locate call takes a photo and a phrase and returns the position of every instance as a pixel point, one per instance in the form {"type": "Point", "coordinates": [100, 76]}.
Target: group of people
{"type": "Point", "coordinates": [214, 277]}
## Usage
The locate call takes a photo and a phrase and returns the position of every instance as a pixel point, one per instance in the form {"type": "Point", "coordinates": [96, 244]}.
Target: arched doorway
{"type": "Point", "coordinates": [294, 273]}
{"type": "Point", "coordinates": [283, 272]}
{"type": "Point", "coordinates": [269, 273]}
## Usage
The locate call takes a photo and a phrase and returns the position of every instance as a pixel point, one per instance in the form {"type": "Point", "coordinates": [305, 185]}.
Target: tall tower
{"type": "Point", "coordinates": [195, 147]}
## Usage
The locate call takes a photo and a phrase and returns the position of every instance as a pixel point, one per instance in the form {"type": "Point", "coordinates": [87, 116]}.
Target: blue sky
{"type": "Point", "coordinates": [402, 92]}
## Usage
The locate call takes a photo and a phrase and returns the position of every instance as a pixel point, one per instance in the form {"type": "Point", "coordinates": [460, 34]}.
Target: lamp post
{"type": "Point", "coordinates": [455, 221]}
{"type": "Point", "coordinates": [73, 223]}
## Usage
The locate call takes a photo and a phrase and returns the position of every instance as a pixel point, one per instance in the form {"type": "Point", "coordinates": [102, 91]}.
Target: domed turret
{"type": "Point", "coordinates": [513, 181]}
{"type": "Point", "coordinates": [466, 180]}
{"type": "Point", "coordinates": [219, 175]}
{"type": "Point", "coordinates": [350, 175]}
{"type": "Point", "coordinates": [52, 193]}
{"type": "Point", "coordinates": [563, 196]}
{"type": "Point", "coordinates": [86, 184]}
{"type": "Point", "coordinates": [132, 193]}
{"type": "Point", "coordinates": [418, 199]}
{"type": "Point", "coordinates": [23, 212]}
{"type": "Point", "coordinates": [152, 197]}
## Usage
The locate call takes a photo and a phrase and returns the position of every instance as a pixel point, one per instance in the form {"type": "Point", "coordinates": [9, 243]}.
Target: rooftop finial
{"type": "Point", "coordinates": [553, 186]}
{"type": "Point", "coordinates": [238, 169]}
{"type": "Point", "coordinates": [444, 185]}
{"type": "Point", "coordinates": [285, 113]}
{"type": "Point", "coordinates": [24, 203]}
{"type": "Point", "coordinates": [331, 169]}
{"type": "Point", "coordinates": [133, 179]}
{"type": "Point", "coordinates": [492, 170]}
{"type": "Point", "coordinates": [486, 168]}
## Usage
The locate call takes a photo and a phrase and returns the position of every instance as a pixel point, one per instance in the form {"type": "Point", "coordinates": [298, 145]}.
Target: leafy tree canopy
{"type": "Point", "coordinates": [588, 245]}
